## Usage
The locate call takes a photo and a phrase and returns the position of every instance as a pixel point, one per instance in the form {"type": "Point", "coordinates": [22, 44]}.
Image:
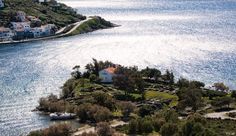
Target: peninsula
{"type": "Point", "coordinates": [30, 20]}
{"type": "Point", "coordinates": [116, 100]}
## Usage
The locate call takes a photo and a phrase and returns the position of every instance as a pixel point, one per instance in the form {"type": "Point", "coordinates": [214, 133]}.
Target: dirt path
{"type": "Point", "coordinates": [220, 115]}
{"type": "Point", "coordinates": [87, 128]}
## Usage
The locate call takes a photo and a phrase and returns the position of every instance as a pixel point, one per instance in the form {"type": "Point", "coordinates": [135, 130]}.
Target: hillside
{"type": "Point", "coordinates": [53, 13]}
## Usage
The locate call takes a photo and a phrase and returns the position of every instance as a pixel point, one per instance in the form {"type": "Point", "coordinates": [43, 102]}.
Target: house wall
{"type": "Point", "coordinates": [105, 76]}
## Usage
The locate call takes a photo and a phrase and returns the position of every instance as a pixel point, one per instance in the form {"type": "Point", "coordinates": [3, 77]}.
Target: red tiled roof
{"type": "Point", "coordinates": [110, 70]}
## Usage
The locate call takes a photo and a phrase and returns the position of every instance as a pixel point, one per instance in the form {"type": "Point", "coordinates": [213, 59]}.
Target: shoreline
{"type": "Point", "coordinates": [58, 34]}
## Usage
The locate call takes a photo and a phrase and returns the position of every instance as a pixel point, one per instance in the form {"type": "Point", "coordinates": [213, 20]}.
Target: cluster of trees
{"type": "Point", "coordinates": [51, 104]}
{"type": "Point", "coordinates": [189, 94]}
{"type": "Point", "coordinates": [128, 79]}
{"type": "Point", "coordinates": [55, 130]}
{"type": "Point", "coordinates": [93, 112]}
{"type": "Point", "coordinates": [168, 124]}
{"type": "Point", "coordinates": [148, 124]}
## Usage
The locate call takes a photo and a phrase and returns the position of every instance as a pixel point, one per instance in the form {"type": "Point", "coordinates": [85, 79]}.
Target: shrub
{"type": "Point", "coordinates": [51, 104]}
{"type": "Point", "coordinates": [126, 108]}
{"type": "Point", "coordinates": [91, 112]}
{"type": "Point", "coordinates": [145, 110]}
{"type": "Point", "coordinates": [147, 126]}
{"type": "Point", "coordinates": [158, 123]}
{"type": "Point", "coordinates": [93, 78]}
{"type": "Point", "coordinates": [105, 100]}
{"type": "Point", "coordinates": [169, 129]}
{"type": "Point", "coordinates": [55, 130]}
{"type": "Point", "coordinates": [102, 114]}
{"type": "Point", "coordinates": [104, 129]}
{"type": "Point", "coordinates": [133, 125]}
{"type": "Point", "coordinates": [88, 134]}
{"type": "Point", "coordinates": [170, 116]}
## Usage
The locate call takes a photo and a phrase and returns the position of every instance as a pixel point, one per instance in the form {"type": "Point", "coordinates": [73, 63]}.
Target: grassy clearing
{"type": "Point", "coordinates": [161, 96]}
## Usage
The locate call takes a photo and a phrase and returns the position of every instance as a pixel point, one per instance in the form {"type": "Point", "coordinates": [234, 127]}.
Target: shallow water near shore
{"type": "Point", "coordinates": [195, 38]}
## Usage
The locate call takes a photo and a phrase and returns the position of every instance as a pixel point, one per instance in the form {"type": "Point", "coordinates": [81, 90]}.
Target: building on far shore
{"type": "Point", "coordinates": [6, 34]}
{"type": "Point", "coordinates": [106, 75]}
{"type": "Point", "coordinates": [1, 4]}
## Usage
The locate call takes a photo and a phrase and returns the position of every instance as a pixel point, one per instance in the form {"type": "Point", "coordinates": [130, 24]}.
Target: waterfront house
{"type": "Point", "coordinates": [37, 32]}
{"type": "Point", "coordinates": [6, 34]}
{"type": "Point", "coordinates": [21, 26]}
{"type": "Point", "coordinates": [1, 4]}
{"type": "Point", "coordinates": [106, 75]}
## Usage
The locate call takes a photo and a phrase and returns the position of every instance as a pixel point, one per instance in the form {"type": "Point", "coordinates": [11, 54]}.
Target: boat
{"type": "Point", "coordinates": [62, 116]}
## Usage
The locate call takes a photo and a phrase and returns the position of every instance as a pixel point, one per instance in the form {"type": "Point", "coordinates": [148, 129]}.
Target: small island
{"type": "Point", "coordinates": [30, 20]}
{"type": "Point", "coordinates": [115, 100]}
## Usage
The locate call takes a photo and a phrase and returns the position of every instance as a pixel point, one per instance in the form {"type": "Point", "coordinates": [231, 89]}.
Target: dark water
{"type": "Point", "coordinates": [194, 38]}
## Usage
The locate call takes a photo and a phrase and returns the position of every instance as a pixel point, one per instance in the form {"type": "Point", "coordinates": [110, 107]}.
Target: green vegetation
{"type": "Point", "coordinates": [149, 101]}
{"type": "Point", "coordinates": [162, 96]}
{"type": "Point", "coordinates": [56, 130]}
{"type": "Point", "coordinates": [93, 24]}
{"type": "Point", "coordinates": [58, 14]}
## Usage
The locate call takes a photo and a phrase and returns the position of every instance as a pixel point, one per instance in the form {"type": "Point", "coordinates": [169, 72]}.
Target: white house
{"type": "Point", "coordinates": [106, 75]}
{"type": "Point", "coordinates": [6, 34]}
{"type": "Point", "coordinates": [1, 4]}
{"type": "Point", "coordinates": [21, 26]}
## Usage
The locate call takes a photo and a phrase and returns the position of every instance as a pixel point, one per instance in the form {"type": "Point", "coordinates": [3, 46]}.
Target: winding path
{"type": "Point", "coordinates": [220, 115]}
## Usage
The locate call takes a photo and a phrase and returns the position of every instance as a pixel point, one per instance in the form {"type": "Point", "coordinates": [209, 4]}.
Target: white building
{"type": "Point", "coordinates": [1, 4]}
{"type": "Point", "coordinates": [106, 75]}
{"type": "Point", "coordinates": [37, 32]}
{"type": "Point", "coordinates": [6, 34]}
{"type": "Point", "coordinates": [21, 26]}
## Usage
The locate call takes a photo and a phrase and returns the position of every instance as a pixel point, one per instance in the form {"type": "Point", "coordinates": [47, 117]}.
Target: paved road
{"type": "Point", "coordinates": [76, 25]}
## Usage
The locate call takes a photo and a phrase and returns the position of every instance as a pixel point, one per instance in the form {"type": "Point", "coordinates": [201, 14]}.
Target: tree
{"type": "Point", "coordinates": [104, 129]}
{"type": "Point", "coordinates": [222, 101]}
{"type": "Point", "coordinates": [233, 94]}
{"type": "Point", "coordinates": [151, 73]}
{"type": "Point", "coordinates": [96, 66]}
{"type": "Point", "coordinates": [196, 126]}
{"type": "Point", "coordinates": [190, 97]}
{"type": "Point", "coordinates": [128, 79]}
{"type": "Point", "coordinates": [192, 129]}
{"type": "Point", "coordinates": [76, 73]}
{"type": "Point", "coordinates": [169, 77]}
{"type": "Point", "coordinates": [182, 82]}
{"type": "Point", "coordinates": [169, 129]}
{"type": "Point", "coordinates": [221, 87]}
{"type": "Point", "coordinates": [212, 94]}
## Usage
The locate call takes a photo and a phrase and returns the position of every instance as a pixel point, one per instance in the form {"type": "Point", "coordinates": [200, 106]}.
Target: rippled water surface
{"type": "Point", "coordinates": [194, 38]}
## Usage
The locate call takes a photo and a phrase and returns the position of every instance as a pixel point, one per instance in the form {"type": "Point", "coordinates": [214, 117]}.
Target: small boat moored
{"type": "Point", "coordinates": [62, 116]}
